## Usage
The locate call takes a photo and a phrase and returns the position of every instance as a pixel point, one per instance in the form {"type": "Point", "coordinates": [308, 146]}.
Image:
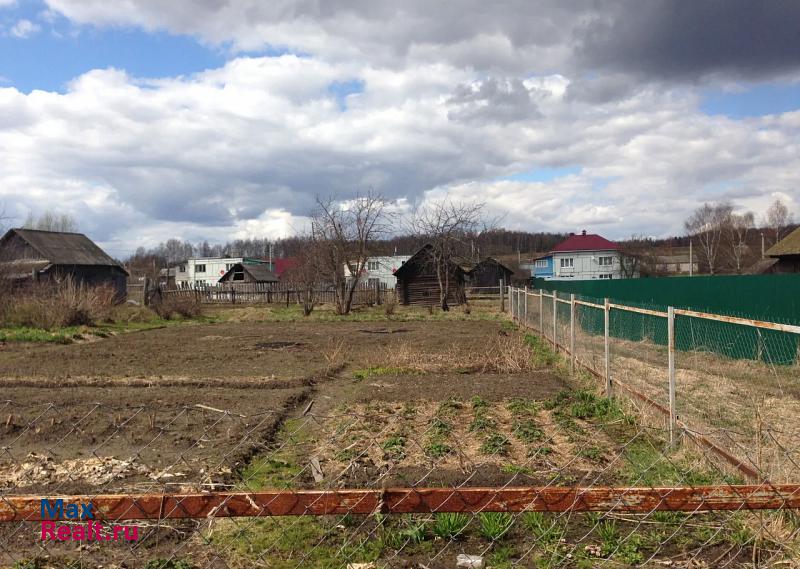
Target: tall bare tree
{"type": "Point", "coordinates": [343, 233]}
{"type": "Point", "coordinates": [52, 221]}
{"type": "Point", "coordinates": [778, 219]}
{"type": "Point", "coordinates": [708, 224]}
{"type": "Point", "coordinates": [450, 228]}
{"type": "Point", "coordinates": [737, 228]}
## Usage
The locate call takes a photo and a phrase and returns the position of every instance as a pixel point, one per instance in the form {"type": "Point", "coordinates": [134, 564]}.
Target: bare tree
{"type": "Point", "coordinates": [778, 218]}
{"type": "Point", "coordinates": [737, 228]}
{"type": "Point", "coordinates": [51, 221]}
{"type": "Point", "coordinates": [638, 257]}
{"type": "Point", "coordinates": [449, 227]}
{"type": "Point", "coordinates": [708, 223]}
{"type": "Point", "coordinates": [342, 233]}
{"type": "Point", "coordinates": [306, 274]}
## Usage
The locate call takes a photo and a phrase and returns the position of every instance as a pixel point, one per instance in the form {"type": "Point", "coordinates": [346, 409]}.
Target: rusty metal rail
{"type": "Point", "coordinates": [415, 500]}
{"type": "Point", "coordinates": [741, 321]}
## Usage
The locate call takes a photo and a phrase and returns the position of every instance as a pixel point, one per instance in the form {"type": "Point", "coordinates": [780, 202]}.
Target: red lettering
{"type": "Point", "coordinates": [117, 529]}
{"type": "Point", "coordinates": [63, 533]}
{"type": "Point", "coordinates": [48, 530]}
{"type": "Point", "coordinates": [134, 534]}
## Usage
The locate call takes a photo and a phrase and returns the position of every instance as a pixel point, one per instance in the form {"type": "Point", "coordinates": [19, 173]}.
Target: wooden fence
{"type": "Point", "coordinates": [271, 293]}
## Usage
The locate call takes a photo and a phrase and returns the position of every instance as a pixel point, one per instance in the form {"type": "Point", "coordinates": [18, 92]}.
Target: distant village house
{"type": "Point", "coordinates": [417, 282]}
{"type": "Point", "coordinates": [489, 273]}
{"type": "Point", "coordinates": [581, 257]}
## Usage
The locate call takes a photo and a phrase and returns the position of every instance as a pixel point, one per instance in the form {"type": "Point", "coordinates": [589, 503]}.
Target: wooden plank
{"type": "Point", "coordinates": [117, 507]}
{"type": "Point", "coordinates": [638, 310]}
{"type": "Point", "coordinates": [741, 321]}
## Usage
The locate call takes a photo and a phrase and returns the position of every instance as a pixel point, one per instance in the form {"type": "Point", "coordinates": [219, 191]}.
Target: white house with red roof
{"type": "Point", "coordinates": [583, 256]}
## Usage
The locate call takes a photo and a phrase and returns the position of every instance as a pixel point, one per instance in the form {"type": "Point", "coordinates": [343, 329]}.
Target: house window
{"type": "Point", "coordinates": [605, 261]}
{"type": "Point", "coordinates": [238, 274]}
{"type": "Point", "coordinates": [541, 264]}
{"type": "Point", "coordinates": [182, 269]}
{"type": "Point", "coordinates": [228, 266]}
{"type": "Point", "coordinates": [372, 265]}
{"type": "Point", "coordinates": [568, 263]}
{"type": "Point", "coordinates": [199, 268]}
{"type": "Point", "coordinates": [606, 276]}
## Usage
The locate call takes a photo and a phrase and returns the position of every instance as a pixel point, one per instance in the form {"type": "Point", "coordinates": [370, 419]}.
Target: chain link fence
{"type": "Point", "coordinates": [555, 474]}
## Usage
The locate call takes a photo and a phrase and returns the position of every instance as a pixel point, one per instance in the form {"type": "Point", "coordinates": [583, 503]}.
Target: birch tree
{"type": "Point", "coordinates": [708, 224]}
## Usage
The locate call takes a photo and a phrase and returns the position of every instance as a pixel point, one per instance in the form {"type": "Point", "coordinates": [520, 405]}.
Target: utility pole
{"type": "Point", "coordinates": [762, 245]}
{"type": "Point", "coordinates": [691, 259]}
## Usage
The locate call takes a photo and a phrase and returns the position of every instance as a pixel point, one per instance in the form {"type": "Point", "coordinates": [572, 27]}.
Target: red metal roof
{"type": "Point", "coordinates": [584, 242]}
{"type": "Point", "coordinates": [282, 265]}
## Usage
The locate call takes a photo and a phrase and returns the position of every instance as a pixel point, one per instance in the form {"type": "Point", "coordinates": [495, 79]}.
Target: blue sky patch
{"type": "Point", "coordinates": [342, 89]}
{"type": "Point", "coordinates": [759, 100]}
{"type": "Point", "coordinates": [58, 51]}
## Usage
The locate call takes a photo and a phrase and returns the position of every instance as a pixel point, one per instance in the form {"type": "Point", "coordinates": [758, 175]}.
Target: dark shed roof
{"type": "Point", "coordinates": [789, 245]}
{"type": "Point", "coordinates": [490, 261]}
{"type": "Point", "coordinates": [60, 248]}
{"type": "Point", "coordinates": [259, 272]}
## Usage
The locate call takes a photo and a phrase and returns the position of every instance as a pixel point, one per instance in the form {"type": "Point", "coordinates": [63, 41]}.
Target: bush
{"type": "Point", "coordinates": [177, 305]}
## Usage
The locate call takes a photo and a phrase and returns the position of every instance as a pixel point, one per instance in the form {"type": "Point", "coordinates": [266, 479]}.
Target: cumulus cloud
{"type": "Point", "coordinates": [451, 99]}
{"type": "Point", "coordinates": [245, 148]}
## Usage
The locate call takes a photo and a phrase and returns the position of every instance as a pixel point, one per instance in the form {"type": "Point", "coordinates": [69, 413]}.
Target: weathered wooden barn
{"type": "Point", "coordinates": [488, 273]}
{"type": "Point", "coordinates": [249, 273]}
{"type": "Point", "coordinates": [784, 256]}
{"type": "Point", "coordinates": [417, 283]}
{"type": "Point", "coordinates": [31, 255]}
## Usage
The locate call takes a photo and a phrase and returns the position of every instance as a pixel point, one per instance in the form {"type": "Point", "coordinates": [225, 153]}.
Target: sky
{"type": "Point", "coordinates": [221, 119]}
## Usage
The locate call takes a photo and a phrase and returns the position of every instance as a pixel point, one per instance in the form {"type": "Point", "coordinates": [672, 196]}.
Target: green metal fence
{"type": "Point", "coordinates": [772, 298]}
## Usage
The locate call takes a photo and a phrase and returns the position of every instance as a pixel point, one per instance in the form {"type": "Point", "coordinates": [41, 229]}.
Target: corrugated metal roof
{"type": "Point", "coordinates": [63, 248]}
{"type": "Point", "coordinates": [789, 245]}
{"type": "Point", "coordinates": [585, 242]}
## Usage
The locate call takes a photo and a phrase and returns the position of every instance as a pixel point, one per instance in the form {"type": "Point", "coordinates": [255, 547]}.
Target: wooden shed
{"type": "Point", "coordinates": [32, 255]}
{"type": "Point", "coordinates": [417, 283]}
{"type": "Point", "coordinates": [249, 273]}
{"type": "Point", "coordinates": [488, 273]}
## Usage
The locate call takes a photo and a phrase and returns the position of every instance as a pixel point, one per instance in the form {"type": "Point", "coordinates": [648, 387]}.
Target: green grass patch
{"type": "Point", "coordinates": [450, 525]}
{"type": "Point", "coordinates": [495, 444]}
{"type": "Point", "coordinates": [377, 371]}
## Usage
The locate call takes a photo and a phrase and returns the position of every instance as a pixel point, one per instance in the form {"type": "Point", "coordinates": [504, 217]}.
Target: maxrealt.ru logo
{"type": "Point", "coordinates": [79, 524]}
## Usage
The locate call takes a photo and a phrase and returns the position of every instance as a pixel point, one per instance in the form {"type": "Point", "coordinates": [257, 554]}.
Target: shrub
{"type": "Point", "coordinates": [178, 305]}
{"type": "Point", "coordinates": [391, 303]}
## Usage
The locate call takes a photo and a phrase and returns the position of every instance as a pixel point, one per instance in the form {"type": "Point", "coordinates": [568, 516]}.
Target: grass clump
{"type": "Point", "coordinates": [377, 371]}
{"type": "Point", "coordinates": [495, 525]}
{"type": "Point", "coordinates": [394, 447]}
{"type": "Point", "coordinates": [437, 449]}
{"type": "Point", "coordinates": [450, 525]}
{"type": "Point", "coordinates": [528, 431]}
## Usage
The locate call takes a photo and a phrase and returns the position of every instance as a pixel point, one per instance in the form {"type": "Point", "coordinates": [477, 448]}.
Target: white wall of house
{"type": "Point", "coordinates": [587, 265]}
{"type": "Point", "coordinates": [203, 271]}
{"type": "Point", "coordinates": [381, 269]}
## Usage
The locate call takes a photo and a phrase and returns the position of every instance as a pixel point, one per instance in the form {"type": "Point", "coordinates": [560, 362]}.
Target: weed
{"type": "Point", "coordinates": [437, 449]}
{"type": "Point", "coordinates": [449, 407]}
{"type": "Point", "coordinates": [591, 453]}
{"type": "Point", "coordinates": [544, 528]}
{"type": "Point", "coordinates": [378, 371]}
{"type": "Point", "coordinates": [608, 533]}
{"type": "Point", "coordinates": [519, 406]}
{"type": "Point", "coordinates": [539, 451]}
{"type": "Point", "coordinates": [395, 447]}
{"type": "Point", "coordinates": [496, 444]}
{"type": "Point", "coordinates": [494, 525]}
{"type": "Point", "coordinates": [501, 556]}
{"type": "Point", "coordinates": [440, 427]}
{"type": "Point", "coordinates": [168, 564]}
{"type": "Point", "coordinates": [528, 431]}
{"type": "Point", "coordinates": [479, 403]}
{"type": "Point", "coordinates": [450, 525]}
{"type": "Point", "coordinates": [410, 533]}
{"type": "Point", "coordinates": [482, 422]}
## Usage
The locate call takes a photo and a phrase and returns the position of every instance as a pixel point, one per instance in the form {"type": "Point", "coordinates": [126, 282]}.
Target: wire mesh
{"type": "Point", "coordinates": [549, 474]}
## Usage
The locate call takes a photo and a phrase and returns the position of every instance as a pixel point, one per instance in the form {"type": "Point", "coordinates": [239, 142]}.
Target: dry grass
{"type": "Point", "coordinates": [178, 306]}
{"type": "Point", "coordinates": [67, 303]}
{"type": "Point", "coordinates": [507, 353]}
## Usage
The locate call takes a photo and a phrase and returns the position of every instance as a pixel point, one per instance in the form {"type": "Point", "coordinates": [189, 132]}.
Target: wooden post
{"type": "Point", "coordinates": [541, 311]}
{"type": "Point", "coordinates": [502, 295]}
{"type": "Point", "coordinates": [572, 333]}
{"type": "Point", "coordinates": [606, 334]}
{"type": "Point", "coordinates": [146, 290]}
{"type": "Point", "coordinates": [673, 413]}
{"type": "Point", "coordinates": [555, 320]}
{"type": "Point", "coordinates": [233, 295]}
{"type": "Point", "coordinates": [287, 297]}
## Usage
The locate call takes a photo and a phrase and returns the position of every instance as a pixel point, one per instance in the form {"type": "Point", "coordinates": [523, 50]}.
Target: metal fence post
{"type": "Point", "coordinates": [673, 413]}
{"type": "Point", "coordinates": [541, 311]}
{"type": "Point", "coordinates": [555, 320]}
{"type": "Point", "coordinates": [525, 318]}
{"type": "Point", "coordinates": [572, 333]}
{"type": "Point", "coordinates": [606, 334]}
{"type": "Point", "coordinates": [502, 296]}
